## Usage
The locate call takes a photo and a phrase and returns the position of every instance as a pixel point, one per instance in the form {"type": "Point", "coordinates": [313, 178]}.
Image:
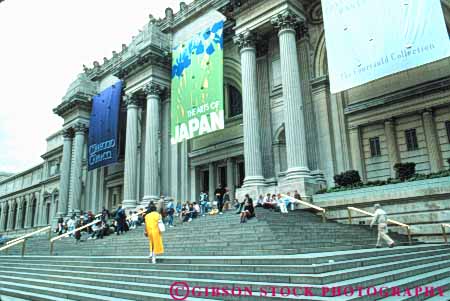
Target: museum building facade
{"type": "Point", "coordinates": [284, 130]}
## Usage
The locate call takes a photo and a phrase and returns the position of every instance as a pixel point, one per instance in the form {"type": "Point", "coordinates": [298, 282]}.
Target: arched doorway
{"type": "Point", "coordinates": [279, 150]}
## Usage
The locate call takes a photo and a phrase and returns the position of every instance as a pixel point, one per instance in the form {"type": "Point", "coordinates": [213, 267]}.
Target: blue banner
{"type": "Point", "coordinates": [104, 127]}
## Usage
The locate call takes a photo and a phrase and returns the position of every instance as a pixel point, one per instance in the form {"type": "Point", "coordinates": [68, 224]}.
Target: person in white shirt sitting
{"type": "Point", "coordinates": [281, 204]}
{"type": "Point", "coordinates": [268, 202]}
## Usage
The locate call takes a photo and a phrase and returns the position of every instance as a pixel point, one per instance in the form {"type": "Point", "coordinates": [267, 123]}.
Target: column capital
{"type": "Point", "coordinates": [154, 89]}
{"type": "Point", "coordinates": [353, 128]}
{"type": "Point", "coordinates": [131, 100]}
{"type": "Point", "coordinates": [245, 40]}
{"type": "Point", "coordinates": [286, 20]}
{"type": "Point", "coordinates": [80, 128]}
{"type": "Point", "coordinates": [11, 202]}
{"type": "Point", "coordinates": [389, 120]}
{"type": "Point", "coordinates": [20, 201]}
{"type": "Point", "coordinates": [427, 111]}
{"type": "Point", "coordinates": [67, 133]}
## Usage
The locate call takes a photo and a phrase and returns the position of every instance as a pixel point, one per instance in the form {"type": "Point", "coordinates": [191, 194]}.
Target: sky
{"type": "Point", "coordinates": [43, 46]}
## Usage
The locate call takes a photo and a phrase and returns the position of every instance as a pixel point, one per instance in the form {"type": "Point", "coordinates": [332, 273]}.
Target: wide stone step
{"type": "Point", "coordinates": [154, 275]}
{"type": "Point", "coordinates": [132, 268]}
{"type": "Point", "coordinates": [85, 284]}
{"type": "Point", "coordinates": [82, 292]}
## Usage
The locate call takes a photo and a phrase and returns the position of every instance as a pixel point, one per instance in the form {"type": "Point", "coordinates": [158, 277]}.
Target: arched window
{"type": "Point", "coordinates": [234, 101]}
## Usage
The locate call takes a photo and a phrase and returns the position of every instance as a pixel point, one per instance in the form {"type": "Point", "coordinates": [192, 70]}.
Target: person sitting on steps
{"type": "Point", "coordinates": [267, 202]}
{"type": "Point", "coordinates": [249, 210]}
{"type": "Point", "coordinates": [282, 204]}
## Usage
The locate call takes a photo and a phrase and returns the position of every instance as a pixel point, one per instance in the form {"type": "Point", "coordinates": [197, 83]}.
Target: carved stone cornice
{"type": "Point", "coordinates": [427, 88]}
{"type": "Point", "coordinates": [286, 20]}
{"type": "Point", "coordinates": [247, 39]}
{"type": "Point", "coordinates": [65, 107]}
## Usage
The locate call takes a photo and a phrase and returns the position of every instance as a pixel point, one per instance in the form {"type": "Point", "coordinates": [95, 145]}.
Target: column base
{"type": "Point", "coordinates": [297, 173]}
{"type": "Point", "coordinates": [306, 186]}
{"type": "Point", "coordinates": [129, 204]}
{"type": "Point", "coordinates": [319, 177]}
{"type": "Point", "coordinates": [254, 181]}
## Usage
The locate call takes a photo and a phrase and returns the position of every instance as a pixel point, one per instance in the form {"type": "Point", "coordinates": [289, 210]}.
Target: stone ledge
{"type": "Point", "coordinates": [420, 188]}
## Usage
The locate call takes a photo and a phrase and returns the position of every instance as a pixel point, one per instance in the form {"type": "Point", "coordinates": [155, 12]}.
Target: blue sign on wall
{"type": "Point", "coordinates": [103, 143]}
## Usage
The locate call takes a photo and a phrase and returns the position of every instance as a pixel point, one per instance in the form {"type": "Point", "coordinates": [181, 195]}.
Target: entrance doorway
{"type": "Point", "coordinates": [204, 184]}
{"type": "Point", "coordinates": [222, 176]}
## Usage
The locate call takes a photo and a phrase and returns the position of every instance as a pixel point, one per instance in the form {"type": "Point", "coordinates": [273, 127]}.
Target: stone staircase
{"type": "Point", "coordinates": [270, 252]}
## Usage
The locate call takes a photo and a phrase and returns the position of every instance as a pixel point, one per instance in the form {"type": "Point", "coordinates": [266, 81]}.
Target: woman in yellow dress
{"type": "Point", "coordinates": [153, 234]}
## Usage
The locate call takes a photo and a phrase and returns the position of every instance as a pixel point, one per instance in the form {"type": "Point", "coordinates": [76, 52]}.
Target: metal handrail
{"type": "Point", "coordinates": [23, 239]}
{"type": "Point", "coordinates": [52, 241]}
{"type": "Point", "coordinates": [444, 233]}
{"type": "Point", "coordinates": [48, 228]}
{"type": "Point", "coordinates": [408, 228]}
{"type": "Point", "coordinates": [322, 210]}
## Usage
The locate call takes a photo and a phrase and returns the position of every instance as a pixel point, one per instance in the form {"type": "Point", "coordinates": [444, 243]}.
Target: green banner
{"type": "Point", "coordinates": [197, 85]}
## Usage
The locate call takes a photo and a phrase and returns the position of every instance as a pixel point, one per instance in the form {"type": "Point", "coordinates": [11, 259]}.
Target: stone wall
{"type": "Point", "coordinates": [422, 204]}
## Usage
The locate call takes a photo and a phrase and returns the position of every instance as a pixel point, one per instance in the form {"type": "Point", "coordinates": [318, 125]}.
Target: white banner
{"type": "Point", "coordinates": [370, 39]}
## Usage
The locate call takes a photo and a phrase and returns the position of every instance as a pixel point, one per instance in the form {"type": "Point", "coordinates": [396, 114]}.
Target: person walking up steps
{"type": "Point", "coordinates": [153, 233]}
{"type": "Point", "coordinates": [380, 218]}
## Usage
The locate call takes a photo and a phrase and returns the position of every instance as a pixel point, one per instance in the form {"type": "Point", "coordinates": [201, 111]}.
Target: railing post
{"type": "Point", "coordinates": [51, 248]}
{"type": "Point", "coordinates": [408, 230]}
{"type": "Point", "coordinates": [24, 246]}
{"type": "Point", "coordinates": [349, 216]}
{"type": "Point", "coordinates": [444, 234]}
{"type": "Point", "coordinates": [324, 218]}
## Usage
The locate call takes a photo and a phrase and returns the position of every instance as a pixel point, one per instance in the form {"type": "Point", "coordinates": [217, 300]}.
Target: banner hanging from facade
{"type": "Point", "coordinates": [197, 79]}
{"type": "Point", "coordinates": [104, 127]}
{"type": "Point", "coordinates": [368, 39]}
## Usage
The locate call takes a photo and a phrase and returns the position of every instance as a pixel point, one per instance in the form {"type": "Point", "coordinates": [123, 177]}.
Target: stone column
{"type": "Point", "coordinates": [80, 133]}
{"type": "Point", "coordinates": [212, 181]}
{"type": "Point", "coordinates": [11, 213]}
{"type": "Point", "coordinates": [231, 179]}
{"type": "Point", "coordinates": [391, 141]}
{"type": "Point", "coordinates": [131, 149]}
{"type": "Point", "coordinates": [3, 216]}
{"type": "Point", "coordinates": [151, 167]}
{"type": "Point", "coordinates": [252, 127]}
{"type": "Point", "coordinates": [356, 151]}
{"type": "Point", "coordinates": [29, 212]}
{"type": "Point", "coordinates": [297, 159]}
{"type": "Point", "coordinates": [194, 180]}
{"type": "Point", "coordinates": [19, 213]}
{"type": "Point", "coordinates": [65, 172]}
{"type": "Point", "coordinates": [431, 137]}
{"type": "Point", "coordinates": [37, 213]}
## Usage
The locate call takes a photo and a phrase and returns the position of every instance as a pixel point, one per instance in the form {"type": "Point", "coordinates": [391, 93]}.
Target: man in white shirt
{"type": "Point", "coordinates": [380, 218]}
